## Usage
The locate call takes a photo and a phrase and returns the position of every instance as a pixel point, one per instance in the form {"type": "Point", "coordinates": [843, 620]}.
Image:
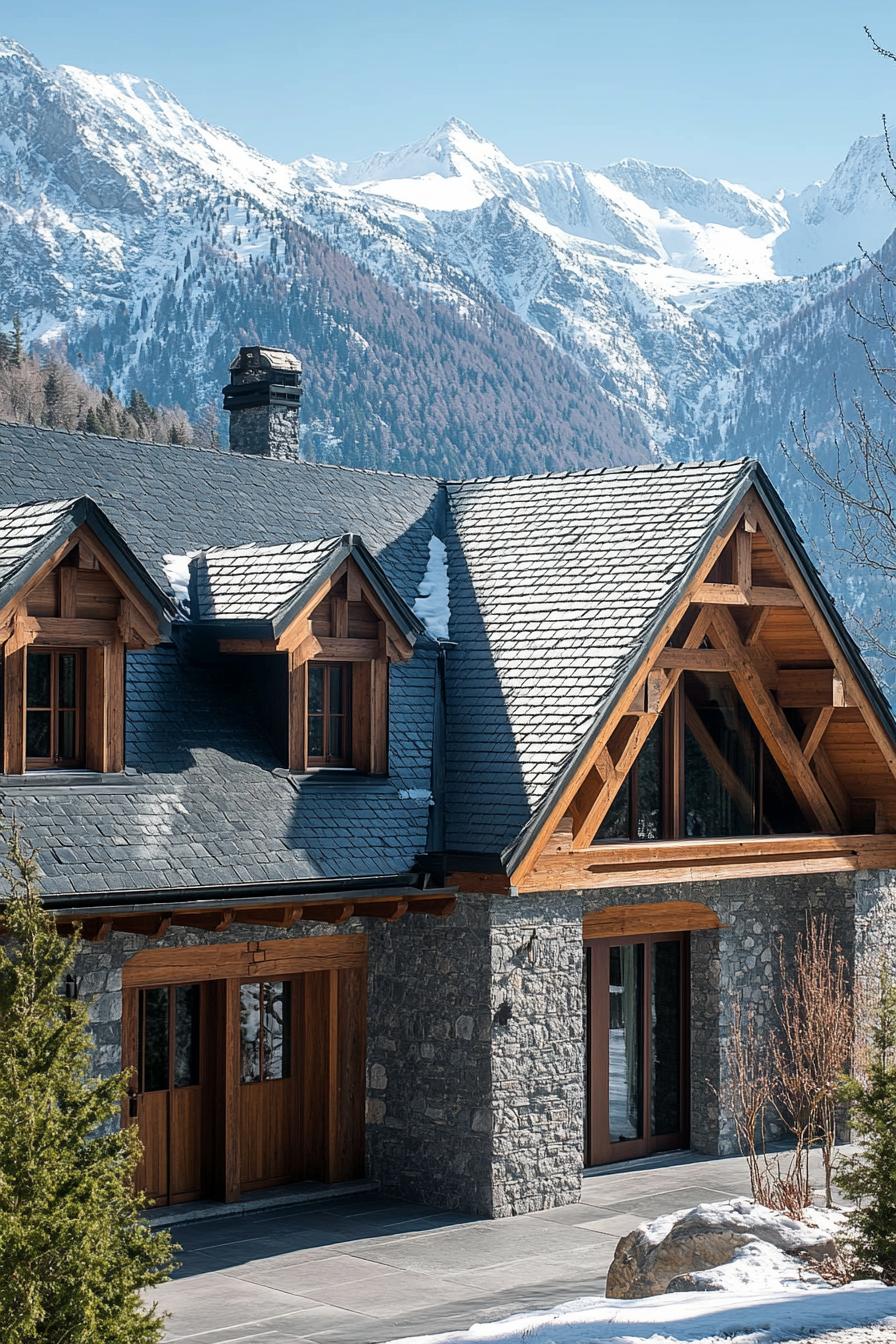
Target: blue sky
{"type": "Point", "coordinates": [764, 93]}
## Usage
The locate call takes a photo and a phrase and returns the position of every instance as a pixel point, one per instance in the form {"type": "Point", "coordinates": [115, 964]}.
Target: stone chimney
{"type": "Point", "coordinates": [263, 400]}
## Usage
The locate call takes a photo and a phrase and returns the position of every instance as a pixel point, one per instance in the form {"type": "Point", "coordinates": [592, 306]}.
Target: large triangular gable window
{"type": "Point", "coordinates": [704, 770]}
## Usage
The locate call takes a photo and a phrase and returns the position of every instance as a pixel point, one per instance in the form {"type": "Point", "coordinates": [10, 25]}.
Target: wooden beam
{"type": "Point", "coordinates": [389, 911]}
{"type": "Point", "coordinates": [829, 781]}
{"type": "Point", "coordinates": [330, 912]}
{"type": "Point", "coordinates": [695, 660]}
{"type": "Point", "coordinates": [80, 631]}
{"type": "Point", "coordinates": [347, 650]}
{"type": "Point", "coordinates": [21, 631]}
{"type": "Point", "coordinates": [815, 730]}
{"type": "Point", "coordinates": [731, 595]}
{"type": "Point", "coordinates": [14, 673]}
{"type": "Point", "coordinates": [67, 579]}
{"type": "Point", "coordinates": [742, 567]}
{"type": "Point", "coordinates": [215, 921]}
{"type": "Point", "coordinates": [829, 640]}
{"type": "Point", "coordinates": [152, 926]}
{"type": "Point", "coordinates": [296, 752]}
{"type": "Point", "coordinates": [757, 625]}
{"type": "Point", "coordinates": [776, 732]}
{"type": "Point", "coordinates": [679, 861]}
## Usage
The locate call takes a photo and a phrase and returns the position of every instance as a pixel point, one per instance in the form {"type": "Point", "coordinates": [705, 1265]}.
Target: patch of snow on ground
{"type": "Point", "coordinates": [177, 572]}
{"type": "Point", "coordinates": [431, 604]}
{"type": "Point", "coordinates": [764, 1295]}
{"type": "Point", "coordinates": [768, 1315]}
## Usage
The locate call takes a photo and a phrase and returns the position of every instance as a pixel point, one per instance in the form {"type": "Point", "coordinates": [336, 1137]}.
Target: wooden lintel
{"type": "Point", "coordinates": [733, 595]}
{"type": "Point", "coordinates": [347, 650]}
{"type": "Point", "coordinates": [650, 917]}
{"type": "Point", "coordinates": [80, 631]}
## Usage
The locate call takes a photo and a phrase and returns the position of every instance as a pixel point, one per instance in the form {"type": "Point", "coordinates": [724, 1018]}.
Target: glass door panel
{"type": "Point", "coordinates": [626, 1042]}
{"type": "Point", "coordinates": [637, 1046]}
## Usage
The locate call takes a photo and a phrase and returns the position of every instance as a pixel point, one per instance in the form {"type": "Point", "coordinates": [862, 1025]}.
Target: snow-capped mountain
{"type": "Point", "coordinates": [634, 296]}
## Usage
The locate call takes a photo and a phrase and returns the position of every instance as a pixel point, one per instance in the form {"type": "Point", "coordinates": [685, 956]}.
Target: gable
{"type": "Point", "coordinates": [774, 632]}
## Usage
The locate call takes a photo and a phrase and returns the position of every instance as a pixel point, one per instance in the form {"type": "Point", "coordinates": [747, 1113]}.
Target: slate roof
{"type": "Point", "coordinates": [23, 528]}
{"type": "Point", "coordinates": [270, 584]}
{"type": "Point", "coordinates": [205, 805]}
{"type": "Point", "coordinates": [556, 584]}
{"type": "Point", "coordinates": [251, 583]}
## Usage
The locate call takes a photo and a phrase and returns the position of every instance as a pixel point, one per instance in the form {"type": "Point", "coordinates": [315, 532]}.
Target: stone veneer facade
{"type": "Point", "coordinates": [476, 1023]}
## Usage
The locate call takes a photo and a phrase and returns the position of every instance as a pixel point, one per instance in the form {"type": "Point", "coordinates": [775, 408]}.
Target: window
{"type": "Point", "coordinates": [329, 714]}
{"type": "Point", "coordinates": [636, 812]}
{"type": "Point", "coordinates": [54, 708]}
{"type": "Point", "coordinates": [703, 771]}
{"type": "Point", "coordinates": [265, 1030]}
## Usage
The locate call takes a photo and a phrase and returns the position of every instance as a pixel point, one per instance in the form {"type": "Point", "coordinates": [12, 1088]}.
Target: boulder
{"type": "Point", "coordinates": [685, 1243]}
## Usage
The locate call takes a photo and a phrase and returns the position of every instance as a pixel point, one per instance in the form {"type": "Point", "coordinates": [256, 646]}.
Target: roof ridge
{"type": "Point", "coordinates": [629, 470]}
{"type": "Point", "coordinates": [226, 453]}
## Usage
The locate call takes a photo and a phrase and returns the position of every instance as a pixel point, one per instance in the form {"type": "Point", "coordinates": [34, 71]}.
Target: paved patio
{"type": "Point", "coordinates": [364, 1269]}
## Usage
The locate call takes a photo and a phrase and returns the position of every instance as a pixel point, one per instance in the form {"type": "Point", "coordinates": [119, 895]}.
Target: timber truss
{"type": "Point", "coordinates": [726, 626]}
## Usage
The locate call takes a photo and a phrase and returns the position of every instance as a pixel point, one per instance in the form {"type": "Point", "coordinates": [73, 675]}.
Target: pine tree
{"type": "Point", "coordinates": [869, 1177]}
{"type": "Point", "coordinates": [17, 345]}
{"type": "Point", "coordinates": [74, 1253]}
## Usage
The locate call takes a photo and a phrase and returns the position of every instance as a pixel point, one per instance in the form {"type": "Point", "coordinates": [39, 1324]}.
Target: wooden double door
{"type": "Point", "coordinates": [638, 1091]}
{"type": "Point", "coordinates": [247, 1081]}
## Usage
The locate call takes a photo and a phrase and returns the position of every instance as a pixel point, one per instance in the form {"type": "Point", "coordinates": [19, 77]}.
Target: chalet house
{"type": "Point", "coordinates": [460, 904]}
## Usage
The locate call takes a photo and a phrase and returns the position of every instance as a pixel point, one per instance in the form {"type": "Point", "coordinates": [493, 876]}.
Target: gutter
{"type": "Point", "coordinates": [241, 894]}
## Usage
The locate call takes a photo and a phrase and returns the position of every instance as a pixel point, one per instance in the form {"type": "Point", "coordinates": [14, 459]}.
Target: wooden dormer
{"type": "Point", "coordinates": [328, 607]}
{"type": "Point", "coordinates": [751, 636]}
{"type": "Point", "coordinates": [75, 600]}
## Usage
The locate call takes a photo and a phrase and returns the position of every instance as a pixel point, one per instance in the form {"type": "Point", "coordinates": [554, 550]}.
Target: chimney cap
{"type": "Point", "coordinates": [264, 357]}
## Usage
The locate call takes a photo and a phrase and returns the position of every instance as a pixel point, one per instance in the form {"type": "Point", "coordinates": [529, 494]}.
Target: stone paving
{"type": "Point", "coordinates": [364, 1269]}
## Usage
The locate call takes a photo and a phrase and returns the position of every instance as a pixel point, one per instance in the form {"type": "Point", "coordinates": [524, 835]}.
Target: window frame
{"type": "Point", "coordinates": [327, 760]}
{"type": "Point", "coordinates": [78, 710]}
{"type": "Point", "coordinates": [673, 791]}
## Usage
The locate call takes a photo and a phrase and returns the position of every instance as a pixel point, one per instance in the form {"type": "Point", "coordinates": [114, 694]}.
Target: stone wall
{"type": "Point", "coordinates": [476, 1055]}
{"type": "Point", "coordinates": [265, 431]}
{"type": "Point", "coordinates": [738, 963]}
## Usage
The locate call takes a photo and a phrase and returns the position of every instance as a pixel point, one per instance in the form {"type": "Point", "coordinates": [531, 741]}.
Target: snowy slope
{"type": "Point", "coordinates": [134, 232]}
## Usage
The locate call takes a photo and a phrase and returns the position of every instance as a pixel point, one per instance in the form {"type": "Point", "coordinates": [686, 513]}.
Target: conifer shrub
{"type": "Point", "coordinates": [75, 1255]}
{"type": "Point", "coordinates": [869, 1176]}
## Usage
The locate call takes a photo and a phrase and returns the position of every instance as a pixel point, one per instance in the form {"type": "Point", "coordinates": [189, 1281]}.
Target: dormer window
{"type": "Point", "coordinates": [54, 709]}
{"type": "Point", "coordinates": [73, 601]}
{"type": "Point", "coordinates": [327, 610]}
{"type": "Point", "coordinates": [329, 714]}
